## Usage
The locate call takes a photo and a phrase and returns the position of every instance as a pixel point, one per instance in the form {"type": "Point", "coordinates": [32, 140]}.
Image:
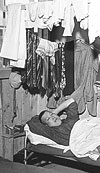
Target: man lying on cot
{"type": "Point", "coordinates": [56, 125]}
{"type": "Point", "coordinates": [66, 114]}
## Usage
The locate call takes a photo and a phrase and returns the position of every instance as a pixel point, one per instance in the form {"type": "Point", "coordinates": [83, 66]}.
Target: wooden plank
{"type": "Point", "coordinates": [33, 105]}
{"type": "Point", "coordinates": [7, 113]}
{"type": "Point", "coordinates": [46, 34]}
{"type": "Point", "coordinates": [40, 32]}
{"type": "Point", "coordinates": [18, 118]}
{"type": "Point", "coordinates": [1, 145]}
{"type": "Point", "coordinates": [41, 103]}
{"type": "Point", "coordinates": [7, 102]}
{"type": "Point", "coordinates": [5, 73]}
{"type": "Point", "coordinates": [18, 142]}
{"type": "Point", "coordinates": [8, 148]}
{"type": "Point", "coordinates": [25, 106]}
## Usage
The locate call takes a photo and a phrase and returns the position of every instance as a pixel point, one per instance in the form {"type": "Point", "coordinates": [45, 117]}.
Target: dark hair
{"type": "Point", "coordinates": [41, 114]}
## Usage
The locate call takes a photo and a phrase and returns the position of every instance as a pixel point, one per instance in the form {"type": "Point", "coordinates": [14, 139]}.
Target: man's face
{"type": "Point", "coordinates": [51, 119]}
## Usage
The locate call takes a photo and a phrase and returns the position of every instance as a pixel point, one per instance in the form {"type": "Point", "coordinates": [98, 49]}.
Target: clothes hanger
{"type": "Point", "coordinates": [84, 42]}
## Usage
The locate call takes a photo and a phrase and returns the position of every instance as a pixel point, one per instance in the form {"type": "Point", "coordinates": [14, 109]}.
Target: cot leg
{"type": "Point", "coordinates": [25, 151]}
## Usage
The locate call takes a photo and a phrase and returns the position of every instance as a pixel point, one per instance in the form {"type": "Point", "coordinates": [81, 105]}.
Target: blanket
{"type": "Point", "coordinates": [85, 138]}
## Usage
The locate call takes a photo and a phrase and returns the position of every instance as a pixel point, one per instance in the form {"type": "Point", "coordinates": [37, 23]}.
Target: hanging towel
{"type": "Point", "coordinates": [11, 36]}
{"type": "Point", "coordinates": [14, 42]}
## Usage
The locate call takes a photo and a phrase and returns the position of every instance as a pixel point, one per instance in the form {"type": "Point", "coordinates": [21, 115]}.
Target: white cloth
{"type": "Point", "coordinates": [84, 23]}
{"type": "Point", "coordinates": [85, 138]}
{"type": "Point", "coordinates": [68, 22]}
{"type": "Point", "coordinates": [10, 41]}
{"type": "Point", "coordinates": [46, 48]}
{"type": "Point", "coordinates": [80, 8]}
{"type": "Point", "coordinates": [7, 2]}
{"type": "Point", "coordinates": [94, 17]}
{"type": "Point", "coordinates": [22, 52]}
{"type": "Point", "coordinates": [38, 15]}
{"type": "Point", "coordinates": [14, 42]}
{"type": "Point", "coordinates": [58, 11]}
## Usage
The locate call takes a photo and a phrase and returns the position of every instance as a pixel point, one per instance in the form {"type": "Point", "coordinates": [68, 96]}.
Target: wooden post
{"type": "Point", "coordinates": [1, 146]}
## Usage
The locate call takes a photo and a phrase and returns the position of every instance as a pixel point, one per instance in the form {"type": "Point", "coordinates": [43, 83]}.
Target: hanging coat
{"type": "Point", "coordinates": [85, 71]}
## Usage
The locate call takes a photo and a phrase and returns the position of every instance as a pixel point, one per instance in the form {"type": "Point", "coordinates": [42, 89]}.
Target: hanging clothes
{"type": "Point", "coordinates": [58, 70]}
{"type": "Point", "coordinates": [31, 75]}
{"type": "Point", "coordinates": [64, 73]}
{"type": "Point", "coordinates": [54, 82]}
{"type": "Point", "coordinates": [80, 9]}
{"type": "Point", "coordinates": [85, 71]}
{"type": "Point", "coordinates": [46, 49]}
{"type": "Point", "coordinates": [98, 75]}
{"type": "Point", "coordinates": [69, 68]}
{"type": "Point", "coordinates": [14, 42]}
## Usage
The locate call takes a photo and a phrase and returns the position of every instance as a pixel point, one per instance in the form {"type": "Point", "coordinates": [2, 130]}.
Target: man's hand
{"type": "Point", "coordinates": [63, 116]}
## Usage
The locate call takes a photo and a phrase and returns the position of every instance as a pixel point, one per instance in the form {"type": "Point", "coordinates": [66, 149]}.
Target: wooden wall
{"type": "Point", "coordinates": [27, 105]}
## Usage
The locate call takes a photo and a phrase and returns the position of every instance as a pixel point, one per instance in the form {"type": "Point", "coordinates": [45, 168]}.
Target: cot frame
{"type": "Point", "coordinates": [27, 156]}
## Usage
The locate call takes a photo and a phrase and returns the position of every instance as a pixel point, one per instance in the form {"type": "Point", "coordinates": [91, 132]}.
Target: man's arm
{"type": "Point", "coordinates": [63, 105]}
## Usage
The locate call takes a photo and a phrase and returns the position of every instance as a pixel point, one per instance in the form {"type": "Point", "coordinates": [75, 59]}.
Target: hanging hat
{"type": "Point", "coordinates": [15, 80]}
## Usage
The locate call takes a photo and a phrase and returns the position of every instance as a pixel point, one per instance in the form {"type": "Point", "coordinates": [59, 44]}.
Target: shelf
{"type": "Point", "coordinates": [16, 135]}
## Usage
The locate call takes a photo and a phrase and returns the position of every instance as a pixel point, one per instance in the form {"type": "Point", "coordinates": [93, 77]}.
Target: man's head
{"type": "Point", "coordinates": [48, 118]}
